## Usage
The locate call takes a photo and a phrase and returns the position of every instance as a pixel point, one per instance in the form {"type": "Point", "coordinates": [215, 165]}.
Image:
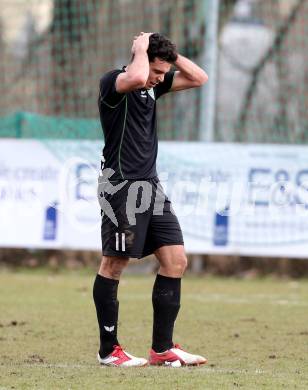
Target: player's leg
{"type": "Point", "coordinates": [165, 239]}
{"type": "Point", "coordinates": [105, 292]}
{"type": "Point", "coordinates": [120, 241]}
{"type": "Point", "coordinates": [166, 294]}
{"type": "Point", "coordinates": [107, 308]}
{"type": "Point", "coordinates": [166, 305]}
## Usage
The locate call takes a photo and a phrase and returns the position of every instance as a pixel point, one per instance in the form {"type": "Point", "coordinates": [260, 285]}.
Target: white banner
{"type": "Point", "coordinates": [48, 194]}
{"type": "Point", "coordinates": [230, 198]}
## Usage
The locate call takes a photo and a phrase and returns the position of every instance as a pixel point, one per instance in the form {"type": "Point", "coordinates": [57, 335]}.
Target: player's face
{"type": "Point", "coordinates": [158, 69]}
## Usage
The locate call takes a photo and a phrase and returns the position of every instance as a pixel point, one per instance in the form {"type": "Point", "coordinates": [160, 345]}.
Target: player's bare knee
{"type": "Point", "coordinates": [112, 267]}
{"type": "Point", "coordinates": [176, 266]}
{"type": "Point", "coordinates": [181, 263]}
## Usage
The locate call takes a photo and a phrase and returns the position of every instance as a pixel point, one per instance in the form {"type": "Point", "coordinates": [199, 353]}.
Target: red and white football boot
{"type": "Point", "coordinates": [120, 358]}
{"type": "Point", "coordinates": [175, 357]}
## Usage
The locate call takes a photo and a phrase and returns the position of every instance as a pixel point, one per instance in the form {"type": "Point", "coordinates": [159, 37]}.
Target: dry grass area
{"type": "Point", "coordinates": [254, 333]}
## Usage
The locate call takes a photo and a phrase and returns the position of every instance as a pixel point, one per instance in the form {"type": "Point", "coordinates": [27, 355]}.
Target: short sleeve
{"type": "Point", "coordinates": [165, 86]}
{"type": "Point", "coordinates": [107, 89]}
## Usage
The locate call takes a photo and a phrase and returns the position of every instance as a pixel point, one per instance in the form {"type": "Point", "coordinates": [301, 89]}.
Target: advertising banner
{"type": "Point", "coordinates": [229, 198]}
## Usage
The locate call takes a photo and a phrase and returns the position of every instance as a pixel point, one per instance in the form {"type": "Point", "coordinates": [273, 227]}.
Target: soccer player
{"type": "Point", "coordinates": [137, 217]}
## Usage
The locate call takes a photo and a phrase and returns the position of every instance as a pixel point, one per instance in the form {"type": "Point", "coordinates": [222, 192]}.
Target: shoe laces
{"type": "Point", "coordinates": [117, 350]}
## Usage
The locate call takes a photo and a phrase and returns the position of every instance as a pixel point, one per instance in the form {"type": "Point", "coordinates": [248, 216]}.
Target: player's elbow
{"type": "Point", "coordinates": [202, 79]}
{"type": "Point", "coordinates": [127, 82]}
{"type": "Point", "coordinates": [199, 79]}
{"type": "Point", "coordinates": [139, 81]}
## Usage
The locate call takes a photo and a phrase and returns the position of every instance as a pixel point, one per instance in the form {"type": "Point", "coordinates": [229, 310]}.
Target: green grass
{"type": "Point", "coordinates": [254, 333]}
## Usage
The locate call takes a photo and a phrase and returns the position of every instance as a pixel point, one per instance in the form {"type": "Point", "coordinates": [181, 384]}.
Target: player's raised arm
{"type": "Point", "coordinates": [188, 74]}
{"type": "Point", "coordinates": [137, 72]}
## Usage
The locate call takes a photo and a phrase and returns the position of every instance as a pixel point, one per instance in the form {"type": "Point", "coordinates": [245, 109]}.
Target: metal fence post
{"type": "Point", "coordinates": [209, 62]}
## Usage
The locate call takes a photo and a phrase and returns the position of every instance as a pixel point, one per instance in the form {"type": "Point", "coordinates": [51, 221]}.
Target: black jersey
{"type": "Point", "coordinates": [129, 125]}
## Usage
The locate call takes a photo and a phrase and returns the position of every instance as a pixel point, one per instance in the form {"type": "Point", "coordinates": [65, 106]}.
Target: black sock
{"type": "Point", "coordinates": [107, 307]}
{"type": "Point", "coordinates": [166, 305]}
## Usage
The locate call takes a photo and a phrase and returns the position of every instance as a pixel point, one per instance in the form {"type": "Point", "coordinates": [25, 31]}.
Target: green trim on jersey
{"type": "Point", "coordinates": [122, 136]}
{"type": "Point", "coordinates": [108, 105]}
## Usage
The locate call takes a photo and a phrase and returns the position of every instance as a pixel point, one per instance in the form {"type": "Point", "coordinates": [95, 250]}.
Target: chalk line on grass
{"type": "Point", "coordinates": [223, 298]}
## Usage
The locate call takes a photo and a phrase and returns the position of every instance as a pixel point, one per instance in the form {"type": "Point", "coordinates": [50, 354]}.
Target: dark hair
{"type": "Point", "coordinates": [161, 47]}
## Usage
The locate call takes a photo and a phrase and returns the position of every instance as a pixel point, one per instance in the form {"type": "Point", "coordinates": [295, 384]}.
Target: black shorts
{"type": "Point", "coordinates": [137, 218]}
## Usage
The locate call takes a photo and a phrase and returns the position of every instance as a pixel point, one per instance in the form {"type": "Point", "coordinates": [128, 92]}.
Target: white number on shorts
{"type": "Point", "coordinates": [118, 243]}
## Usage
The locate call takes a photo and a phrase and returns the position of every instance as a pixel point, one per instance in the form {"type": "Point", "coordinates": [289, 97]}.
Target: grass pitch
{"type": "Point", "coordinates": [254, 333]}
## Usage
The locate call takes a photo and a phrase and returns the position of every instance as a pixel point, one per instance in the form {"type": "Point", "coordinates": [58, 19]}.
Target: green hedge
{"type": "Point", "coordinates": [31, 125]}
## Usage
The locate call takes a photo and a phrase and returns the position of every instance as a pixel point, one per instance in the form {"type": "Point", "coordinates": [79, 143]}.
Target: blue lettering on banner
{"type": "Point", "coordinates": [260, 181]}
{"type": "Point", "coordinates": [302, 183]}
{"type": "Point", "coordinates": [221, 227]}
{"type": "Point", "coordinates": [50, 227]}
{"type": "Point", "coordinates": [257, 185]}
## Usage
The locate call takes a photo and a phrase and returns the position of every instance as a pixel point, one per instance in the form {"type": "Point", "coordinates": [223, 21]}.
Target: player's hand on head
{"type": "Point", "coordinates": [141, 42]}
